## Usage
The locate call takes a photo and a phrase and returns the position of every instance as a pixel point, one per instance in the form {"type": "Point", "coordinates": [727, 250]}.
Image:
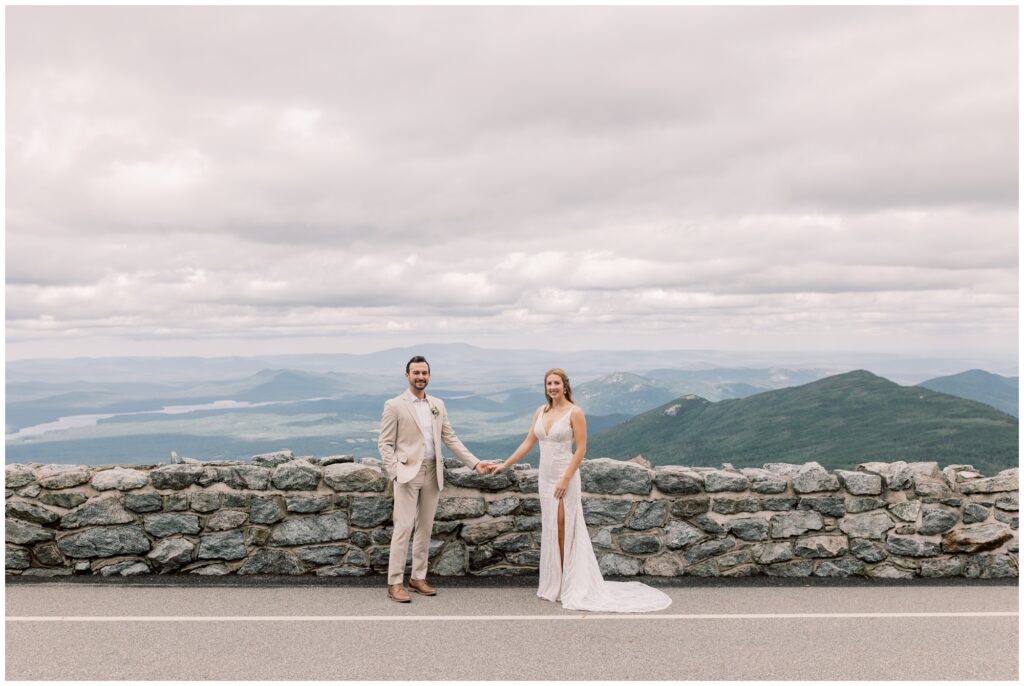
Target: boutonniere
{"type": "Point", "coordinates": [434, 411]}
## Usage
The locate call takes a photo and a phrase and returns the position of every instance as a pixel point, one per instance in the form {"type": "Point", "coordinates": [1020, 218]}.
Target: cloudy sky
{"type": "Point", "coordinates": [210, 181]}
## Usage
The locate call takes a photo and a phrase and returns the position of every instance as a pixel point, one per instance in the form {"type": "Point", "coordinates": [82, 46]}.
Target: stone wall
{"type": "Point", "coordinates": [331, 517]}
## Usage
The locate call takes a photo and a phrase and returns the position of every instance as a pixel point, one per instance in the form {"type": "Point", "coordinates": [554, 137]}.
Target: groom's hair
{"type": "Point", "coordinates": [417, 358]}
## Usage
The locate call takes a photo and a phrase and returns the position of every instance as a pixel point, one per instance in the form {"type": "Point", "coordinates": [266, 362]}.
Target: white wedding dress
{"type": "Point", "coordinates": [580, 585]}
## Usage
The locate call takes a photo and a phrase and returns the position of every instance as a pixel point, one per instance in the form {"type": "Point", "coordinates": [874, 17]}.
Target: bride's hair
{"type": "Point", "coordinates": [565, 384]}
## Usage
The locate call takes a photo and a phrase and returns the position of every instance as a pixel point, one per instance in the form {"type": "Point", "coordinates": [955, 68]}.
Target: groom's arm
{"type": "Point", "coordinates": [449, 438]}
{"type": "Point", "coordinates": [387, 439]}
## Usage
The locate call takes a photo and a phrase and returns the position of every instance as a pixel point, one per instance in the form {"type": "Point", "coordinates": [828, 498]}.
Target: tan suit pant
{"type": "Point", "coordinates": [415, 505]}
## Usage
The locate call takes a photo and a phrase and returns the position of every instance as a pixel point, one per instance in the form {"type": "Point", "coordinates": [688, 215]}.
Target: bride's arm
{"type": "Point", "coordinates": [579, 432]}
{"type": "Point", "coordinates": [524, 447]}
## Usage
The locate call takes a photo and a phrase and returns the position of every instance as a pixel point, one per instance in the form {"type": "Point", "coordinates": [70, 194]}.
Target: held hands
{"type": "Point", "coordinates": [485, 468]}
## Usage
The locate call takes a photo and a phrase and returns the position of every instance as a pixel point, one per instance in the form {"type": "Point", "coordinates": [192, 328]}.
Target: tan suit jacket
{"type": "Point", "coordinates": [401, 441]}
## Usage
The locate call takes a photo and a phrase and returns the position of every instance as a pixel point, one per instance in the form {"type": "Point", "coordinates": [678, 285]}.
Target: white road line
{"type": "Point", "coordinates": [496, 618]}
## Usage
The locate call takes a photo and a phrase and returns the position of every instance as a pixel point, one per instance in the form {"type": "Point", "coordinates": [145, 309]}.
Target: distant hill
{"type": "Point", "coordinates": [1001, 392]}
{"type": "Point", "coordinates": [838, 421]}
{"type": "Point", "coordinates": [620, 393]}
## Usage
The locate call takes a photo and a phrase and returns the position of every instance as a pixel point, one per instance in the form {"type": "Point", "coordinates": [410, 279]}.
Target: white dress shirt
{"type": "Point", "coordinates": [426, 418]}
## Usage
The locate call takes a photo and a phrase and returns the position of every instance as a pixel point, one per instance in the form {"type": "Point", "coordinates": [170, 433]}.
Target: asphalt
{"type": "Point", "coordinates": [497, 629]}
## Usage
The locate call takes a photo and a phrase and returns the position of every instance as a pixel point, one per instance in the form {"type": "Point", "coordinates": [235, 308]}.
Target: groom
{"type": "Point", "coordinates": [412, 428]}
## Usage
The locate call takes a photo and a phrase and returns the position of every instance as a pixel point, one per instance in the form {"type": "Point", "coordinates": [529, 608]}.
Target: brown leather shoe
{"type": "Point", "coordinates": [398, 593]}
{"type": "Point", "coordinates": [421, 586]}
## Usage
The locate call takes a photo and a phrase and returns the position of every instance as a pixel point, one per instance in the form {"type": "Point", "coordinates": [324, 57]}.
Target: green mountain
{"type": "Point", "coordinates": [839, 421]}
{"type": "Point", "coordinates": [992, 389]}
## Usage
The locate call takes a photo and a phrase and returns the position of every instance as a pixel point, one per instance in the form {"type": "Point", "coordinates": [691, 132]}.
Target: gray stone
{"type": "Point", "coordinates": [505, 506]}
{"type": "Point", "coordinates": [614, 564]}
{"type": "Point", "coordinates": [55, 477]}
{"type": "Point", "coordinates": [989, 567]}
{"type": "Point", "coordinates": [66, 571]}
{"type": "Point", "coordinates": [976, 538]}
{"type": "Point", "coordinates": [205, 501]}
{"type": "Point", "coordinates": [98, 511]}
{"type": "Point", "coordinates": [857, 505]}
{"type": "Point", "coordinates": [764, 481]}
{"type": "Point", "coordinates": [225, 520]}
{"type": "Point", "coordinates": [778, 504]}
{"type": "Point", "coordinates": [176, 502]}
{"type": "Point", "coordinates": [730, 506]}
{"type": "Point", "coordinates": [794, 568]}
{"type": "Point", "coordinates": [937, 521]}
{"type": "Point", "coordinates": [466, 477]}
{"type": "Point", "coordinates": [707, 568]}
{"type": "Point", "coordinates": [926, 486]}
{"type": "Point", "coordinates": [142, 502]}
{"type": "Point", "coordinates": [172, 553]}
{"type": "Point", "coordinates": [673, 479]}
{"type": "Point", "coordinates": [997, 484]}
{"type": "Point", "coordinates": [974, 513]}
{"type": "Point", "coordinates": [334, 459]}
{"type": "Point", "coordinates": [895, 475]}
{"type": "Point", "coordinates": [460, 508]}
{"type": "Point", "coordinates": [908, 511]}
{"type": "Point", "coordinates": [812, 477]}
{"type": "Point", "coordinates": [742, 570]}
{"type": "Point", "coordinates": [21, 532]}
{"type": "Point", "coordinates": [639, 544]}
{"type": "Point", "coordinates": [216, 569]}
{"type": "Point", "coordinates": [441, 527]}
{"type": "Point", "coordinates": [718, 480]}
{"type": "Point", "coordinates": [820, 545]}
{"type": "Point", "coordinates": [106, 541]}
{"type": "Point", "coordinates": [749, 528]}
{"type": "Point", "coordinates": [360, 538]}
{"type": "Point", "coordinates": [866, 550]}
{"type": "Point", "coordinates": [312, 529]}
{"type": "Point", "coordinates": [680, 534]}
{"type": "Point", "coordinates": [512, 543]}
{"type": "Point", "coordinates": [860, 483]}
{"type": "Point", "coordinates": [1007, 518]}
{"type": "Point", "coordinates": [120, 479]}
{"type": "Point", "coordinates": [527, 480]}
{"type": "Point", "coordinates": [529, 558]}
{"type": "Point", "coordinates": [176, 476]}
{"type": "Point", "coordinates": [323, 554]}
{"type": "Point", "coordinates": [31, 513]}
{"type": "Point", "coordinates": [532, 506]}
{"type": "Point", "coordinates": [602, 511]}
{"type": "Point", "coordinates": [265, 510]}
{"type": "Point", "coordinates": [708, 524]}
{"type": "Point", "coordinates": [295, 475]}
{"type": "Point", "coordinates": [866, 525]}
{"type": "Point", "coordinates": [306, 504]}
{"type": "Point", "coordinates": [17, 475]}
{"type": "Point", "coordinates": [371, 510]}
{"type": "Point", "coordinates": [733, 558]}
{"type": "Point", "coordinates": [794, 523]}
{"type": "Point", "coordinates": [226, 545]}
{"type": "Point", "coordinates": [648, 515]}
{"type": "Point", "coordinates": [830, 506]}
{"type": "Point", "coordinates": [614, 477]}
{"type": "Point", "coordinates": [911, 547]}
{"type": "Point", "coordinates": [768, 553]}
{"type": "Point", "coordinates": [451, 561]}
{"type": "Point", "coordinates": [665, 564]}
{"type": "Point", "coordinates": [1008, 502]}
{"type": "Point", "coordinates": [65, 500]}
{"type": "Point", "coordinates": [941, 567]}
{"type": "Point", "coordinates": [48, 554]}
{"type": "Point", "coordinates": [350, 477]}
{"type": "Point", "coordinates": [163, 525]}
{"type": "Point", "coordinates": [482, 557]}
{"type": "Point", "coordinates": [842, 567]}
{"type": "Point", "coordinates": [16, 558]}
{"type": "Point", "coordinates": [684, 508]}
{"type": "Point", "coordinates": [256, 535]}
{"type": "Point", "coordinates": [272, 562]}
{"type": "Point", "coordinates": [237, 500]}
{"type": "Point", "coordinates": [125, 568]}
{"type": "Point", "coordinates": [273, 459]}
{"type": "Point", "coordinates": [487, 530]}
{"type": "Point", "coordinates": [248, 477]}
{"type": "Point", "coordinates": [343, 570]}
{"type": "Point", "coordinates": [782, 468]}
{"type": "Point", "coordinates": [700, 551]}
{"type": "Point", "coordinates": [30, 491]}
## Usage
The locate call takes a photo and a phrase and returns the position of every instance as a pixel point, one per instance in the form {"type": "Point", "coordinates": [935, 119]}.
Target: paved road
{"type": "Point", "coordinates": [711, 632]}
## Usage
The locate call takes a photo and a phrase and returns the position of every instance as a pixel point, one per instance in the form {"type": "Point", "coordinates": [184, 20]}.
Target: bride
{"type": "Point", "coordinates": [568, 568]}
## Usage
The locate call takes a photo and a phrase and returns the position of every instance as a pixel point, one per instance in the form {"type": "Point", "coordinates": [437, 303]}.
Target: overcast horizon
{"type": "Point", "coordinates": [218, 181]}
